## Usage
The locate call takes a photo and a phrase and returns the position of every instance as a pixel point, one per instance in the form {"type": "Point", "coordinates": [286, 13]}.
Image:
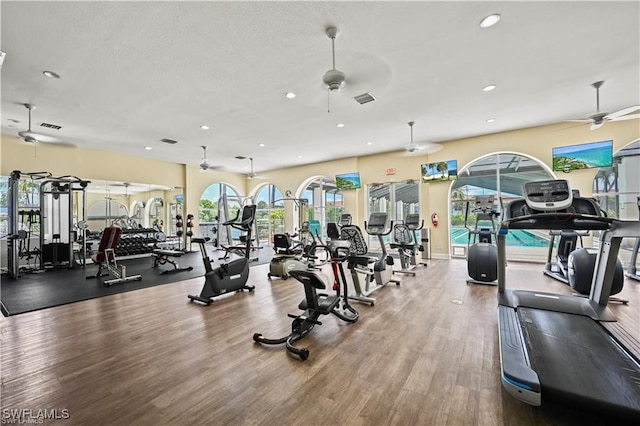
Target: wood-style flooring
{"type": "Point", "coordinates": [425, 354]}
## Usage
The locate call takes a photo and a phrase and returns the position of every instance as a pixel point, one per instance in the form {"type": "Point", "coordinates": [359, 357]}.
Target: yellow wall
{"type": "Point", "coordinates": [535, 142]}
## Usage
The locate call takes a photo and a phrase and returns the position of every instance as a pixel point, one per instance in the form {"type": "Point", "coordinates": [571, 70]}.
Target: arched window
{"type": "Point", "coordinates": [325, 203]}
{"type": "Point", "coordinates": [269, 212]}
{"type": "Point", "coordinates": [218, 202]}
{"type": "Point", "coordinates": [501, 175]}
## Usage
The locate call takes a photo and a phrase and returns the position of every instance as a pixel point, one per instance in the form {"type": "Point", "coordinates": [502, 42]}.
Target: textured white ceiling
{"type": "Point", "coordinates": [135, 72]}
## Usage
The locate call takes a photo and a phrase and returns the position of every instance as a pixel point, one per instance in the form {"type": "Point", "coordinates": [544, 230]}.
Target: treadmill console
{"type": "Point", "coordinates": [548, 195]}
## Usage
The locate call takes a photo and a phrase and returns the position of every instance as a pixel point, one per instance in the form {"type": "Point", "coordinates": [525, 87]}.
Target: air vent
{"type": "Point", "coordinates": [169, 141]}
{"type": "Point", "coordinates": [50, 126]}
{"type": "Point", "coordinates": [364, 98]}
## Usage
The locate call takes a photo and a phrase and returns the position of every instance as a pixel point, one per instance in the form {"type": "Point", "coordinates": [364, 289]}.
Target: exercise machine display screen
{"type": "Point", "coordinates": [412, 219]}
{"type": "Point", "coordinates": [377, 222]}
{"type": "Point", "coordinates": [484, 203]}
{"type": "Point", "coordinates": [548, 195]}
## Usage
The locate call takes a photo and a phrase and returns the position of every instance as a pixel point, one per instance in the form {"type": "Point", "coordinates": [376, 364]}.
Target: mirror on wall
{"type": "Point", "coordinates": [133, 205]}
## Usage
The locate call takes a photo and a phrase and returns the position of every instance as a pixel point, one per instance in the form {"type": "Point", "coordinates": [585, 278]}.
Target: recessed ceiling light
{"type": "Point", "coordinates": [290, 95]}
{"type": "Point", "coordinates": [261, 145]}
{"type": "Point", "coordinates": [340, 125]}
{"type": "Point", "coordinates": [489, 88]}
{"type": "Point", "coordinates": [50, 74]}
{"type": "Point", "coordinates": [491, 120]}
{"type": "Point", "coordinates": [369, 143]}
{"type": "Point", "coordinates": [299, 156]}
{"type": "Point", "coordinates": [205, 127]}
{"type": "Point", "coordinates": [490, 20]}
{"type": "Point", "coordinates": [148, 148]}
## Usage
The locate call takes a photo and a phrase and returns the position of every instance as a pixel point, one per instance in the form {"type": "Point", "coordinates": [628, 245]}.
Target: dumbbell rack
{"type": "Point", "coordinates": [135, 243]}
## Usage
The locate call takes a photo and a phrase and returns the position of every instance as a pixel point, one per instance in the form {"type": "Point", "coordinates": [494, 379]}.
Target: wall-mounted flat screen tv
{"type": "Point", "coordinates": [440, 171]}
{"type": "Point", "coordinates": [582, 156]}
{"type": "Point", "coordinates": [348, 181]}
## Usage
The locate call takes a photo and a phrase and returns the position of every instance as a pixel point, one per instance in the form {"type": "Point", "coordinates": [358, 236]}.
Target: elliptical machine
{"type": "Point", "coordinates": [229, 276]}
{"type": "Point", "coordinates": [316, 304]}
{"type": "Point", "coordinates": [632, 270]}
{"type": "Point", "coordinates": [567, 243]}
{"type": "Point", "coordinates": [482, 253]}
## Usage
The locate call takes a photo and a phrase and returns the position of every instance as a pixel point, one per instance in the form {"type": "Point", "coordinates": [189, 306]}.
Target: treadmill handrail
{"type": "Point", "coordinates": [559, 221]}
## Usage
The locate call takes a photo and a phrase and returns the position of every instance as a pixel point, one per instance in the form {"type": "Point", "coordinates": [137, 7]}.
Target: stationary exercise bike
{"type": "Point", "coordinates": [405, 241]}
{"type": "Point", "coordinates": [375, 270]}
{"type": "Point", "coordinates": [317, 304]}
{"type": "Point", "coordinates": [230, 276]}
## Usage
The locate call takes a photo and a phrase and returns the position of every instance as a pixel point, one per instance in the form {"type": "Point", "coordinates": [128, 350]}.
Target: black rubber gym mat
{"type": "Point", "coordinates": [42, 290]}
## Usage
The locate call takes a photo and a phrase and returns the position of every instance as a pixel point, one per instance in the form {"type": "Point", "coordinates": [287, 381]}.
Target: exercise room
{"type": "Point", "coordinates": [320, 213]}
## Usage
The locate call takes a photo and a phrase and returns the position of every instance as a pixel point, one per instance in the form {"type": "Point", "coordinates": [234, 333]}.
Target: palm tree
{"type": "Point", "coordinates": [442, 168]}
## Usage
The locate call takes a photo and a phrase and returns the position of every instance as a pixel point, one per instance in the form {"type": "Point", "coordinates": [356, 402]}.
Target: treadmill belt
{"type": "Point", "coordinates": [579, 363]}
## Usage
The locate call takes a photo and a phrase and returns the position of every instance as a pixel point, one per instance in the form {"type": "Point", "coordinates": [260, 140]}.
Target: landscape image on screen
{"type": "Point", "coordinates": [440, 171]}
{"type": "Point", "coordinates": [348, 181]}
{"type": "Point", "coordinates": [583, 156]}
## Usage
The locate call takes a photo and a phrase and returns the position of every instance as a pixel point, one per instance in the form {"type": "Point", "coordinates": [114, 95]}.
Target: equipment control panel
{"type": "Point", "coordinates": [548, 195]}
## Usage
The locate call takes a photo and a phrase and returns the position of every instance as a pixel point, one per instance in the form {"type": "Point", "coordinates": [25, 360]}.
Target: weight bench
{"type": "Point", "coordinates": [106, 257]}
{"type": "Point", "coordinates": [162, 256]}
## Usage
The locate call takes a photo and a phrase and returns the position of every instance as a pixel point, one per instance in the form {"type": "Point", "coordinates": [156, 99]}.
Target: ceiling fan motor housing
{"type": "Point", "coordinates": [334, 79]}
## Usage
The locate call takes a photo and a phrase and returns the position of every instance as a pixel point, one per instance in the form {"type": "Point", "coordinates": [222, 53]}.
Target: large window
{"type": "Point", "coordinates": [617, 189]}
{"type": "Point", "coordinates": [269, 212]}
{"type": "Point", "coordinates": [397, 199]}
{"type": "Point", "coordinates": [501, 175]}
{"type": "Point", "coordinates": [325, 204]}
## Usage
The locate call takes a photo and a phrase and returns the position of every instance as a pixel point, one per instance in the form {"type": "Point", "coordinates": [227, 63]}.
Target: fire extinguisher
{"type": "Point", "coordinates": [434, 219]}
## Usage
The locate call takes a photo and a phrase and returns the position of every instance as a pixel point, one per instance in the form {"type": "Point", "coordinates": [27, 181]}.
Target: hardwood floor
{"type": "Point", "coordinates": [425, 354]}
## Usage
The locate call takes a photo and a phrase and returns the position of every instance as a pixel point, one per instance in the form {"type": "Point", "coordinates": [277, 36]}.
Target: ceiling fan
{"type": "Point", "coordinates": [334, 80]}
{"type": "Point", "coordinates": [599, 118]}
{"type": "Point", "coordinates": [204, 166]}
{"type": "Point", "coordinates": [32, 137]}
{"type": "Point", "coordinates": [423, 148]}
{"type": "Point", "coordinates": [251, 174]}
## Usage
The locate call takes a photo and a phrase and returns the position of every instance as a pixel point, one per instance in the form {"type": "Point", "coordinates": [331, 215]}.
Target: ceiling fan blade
{"type": "Point", "coordinates": [626, 117]}
{"type": "Point", "coordinates": [39, 137]}
{"type": "Point", "coordinates": [579, 120]}
{"type": "Point", "coordinates": [623, 112]}
{"type": "Point", "coordinates": [421, 149]}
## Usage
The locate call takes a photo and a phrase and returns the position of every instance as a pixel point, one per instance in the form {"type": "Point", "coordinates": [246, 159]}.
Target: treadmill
{"type": "Point", "coordinates": [563, 348]}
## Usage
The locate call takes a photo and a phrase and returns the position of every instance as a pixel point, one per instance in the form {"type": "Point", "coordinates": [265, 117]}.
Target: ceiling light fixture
{"type": "Point", "coordinates": [290, 95]}
{"type": "Point", "coordinates": [148, 148]}
{"type": "Point", "coordinates": [489, 21]}
{"type": "Point", "coordinates": [261, 145]}
{"type": "Point", "coordinates": [491, 120]}
{"type": "Point", "coordinates": [341, 125]}
{"type": "Point", "coordinates": [488, 88]}
{"type": "Point", "coordinates": [50, 74]}
{"type": "Point", "coordinates": [369, 143]}
{"type": "Point", "coordinates": [205, 127]}
{"type": "Point", "coordinates": [299, 156]}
